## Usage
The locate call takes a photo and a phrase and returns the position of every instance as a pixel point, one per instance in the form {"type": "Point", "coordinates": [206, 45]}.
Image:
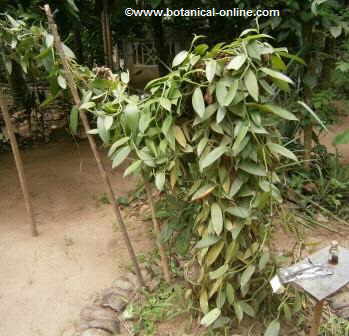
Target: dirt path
{"type": "Point", "coordinates": [45, 281]}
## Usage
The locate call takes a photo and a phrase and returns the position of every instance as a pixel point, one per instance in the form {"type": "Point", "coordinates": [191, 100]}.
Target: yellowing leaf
{"type": "Point", "coordinates": [179, 135]}
{"type": "Point", "coordinates": [278, 149]}
{"type": "Point", "coordinates": [203, 192]}
{"type": "Point", "coordinates": [210, 317]}
{"type": "Point", "coordinates": [246, 275]}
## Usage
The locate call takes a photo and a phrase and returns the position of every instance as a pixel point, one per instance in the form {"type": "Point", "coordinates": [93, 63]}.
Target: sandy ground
{"type": "Point", "coordinates": [45, 281]}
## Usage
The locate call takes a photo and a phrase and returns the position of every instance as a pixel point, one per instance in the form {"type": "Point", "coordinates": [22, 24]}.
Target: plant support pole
{"type": "Point", "coordinates": [104, 175]}
{"type": "Point", "coordinates": [19, 165]}
{"type": "Point", "coordinates": [163, 256]}
{"type": "Point", "coordinates": [315, 326]}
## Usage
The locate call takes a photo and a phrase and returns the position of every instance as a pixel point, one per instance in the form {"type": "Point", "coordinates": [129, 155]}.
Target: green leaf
{"type": "Point", "coordinates": [342, 138]}
{"type": "Point", "coordinates": [248, 309]}
{"type": "Point", "coordinates": [74, 120]}
{"type": "Point", "coordinates": [131, 115]}
{"type": "Point", "coordinates": [313, 114]}
{"type": "Point", "coordinates": [108, 122]}
{"type": "Point", "coordinates": [252, 84]}
{"type": "Point", "coordinates": [231, 93]}
{"type": "Point", "coordinates": [211, 66]}
{"type": "Point", "coordinates": [246, 275]}
{"type": "Point", "coordinates": [239, 212]}
{"type": "Point", "coordinates": [201, 146]}
{"type": "Point", "coordinates": [236, 62]}
{"type": "Point", "coordinates": [179, 58]}
{"type": "Point", "coordinates": [211, 157]}
{"type": "Point", "coordinates": [279, 111]}
{"type": "Point", "coordinates": [273, 329]}
{"type": "Point", "coordinates": [263, 261]}
{"type": "Point", "coordinates": [336, 31]}
{"type": "Point", "coordinates": [117, 144]}
{"type": "Point", "coordinates": [238, 311]}
{"type": "Point", "coordinates": [203, 192]}
{"type": "Point", "coordinates": [253, 168]}
{"type": "Point", "coordinates": [210, 317]}
{"type": "Point", "coordinates": [125, 77]}
{"type": "Point", "coordinates": [160, 179]}
{"type": "Point", "coordinates": [221, 92]}
{"type": "Point", "coordinates": [230, 291]}
{"type": "Point", "coordinates": [278, 75]}
{"type": "Point", "coordinates": [165, 103]}
{"type": "Point", "coordinates": [278, 149]}
{"type": "Point", "coordinates": [207, 242]}
{"type": "Point", "coordinates": [240, 137]}
{"type": "Point", "coordinates": [236, 186]}
{"type": "Point", "coordinates": [133, 168]}
{"type": "Point", "coordinates": [120, 156]}
{"type": "Point", "coordinates": [179, 135]}
{"type": "Point", "coordinates": [198, 102]}
{"type": "Point", "coordinates": [221, 114]}
{"type": "Point", "coordinates": [217, 218]}
{"type": "Point", "coordinates": [49, 40]}
{"type": "Point", "coordinates": [144, 121]}
{"type": "Point", "coordinates": [218, 272]}
{"type": "Point", "coordinates": [213, 253]}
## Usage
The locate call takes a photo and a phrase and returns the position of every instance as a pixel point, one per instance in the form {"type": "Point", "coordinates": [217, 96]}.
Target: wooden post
{"type": "Point", "coordinates": [314, 331]}
{"type": "Point", "coordinates": [83, 117]}
{"type": "Point", "coordinates": [163, 256]}
{"type": "Point", "coordinates": [19, 165]}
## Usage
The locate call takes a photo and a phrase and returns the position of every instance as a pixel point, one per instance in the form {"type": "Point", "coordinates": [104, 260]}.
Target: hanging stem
{"type": "Point", "coordinates": [104, 175]}
{"type": "Point", "coordinates": [163, 256]}
{"type": "Point", "coordinates": [19, 165]}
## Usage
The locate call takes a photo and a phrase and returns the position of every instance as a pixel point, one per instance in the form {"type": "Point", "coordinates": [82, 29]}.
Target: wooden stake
{"type": "Point", "coordinates": [315, 326]}
{"type": "Point", "coordinates": [19, 165]}
{"type": "Point", "coordinates": [83, 117]}
{"type": "Point", "coordinates": [163, 256]}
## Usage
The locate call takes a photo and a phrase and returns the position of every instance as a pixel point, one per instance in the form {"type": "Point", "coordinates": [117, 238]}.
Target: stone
{"type": "Point", "coordinates": [131, 277]}
{"type": "Point", "coordinates": [90, 313]}
{"type": "Point", "coordinates": [95, 332]}
{"type": "Point", "coordinates": [114, 301]}
{"type": "Point", "coordinates": [123, 284]}
{"type": "Point", "coordinates": [340, 300]}
{"type": "Point", "coordinates": [113, 327]}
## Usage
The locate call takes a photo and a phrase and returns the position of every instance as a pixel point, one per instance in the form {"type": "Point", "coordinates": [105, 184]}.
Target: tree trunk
{"type": "Point", "coordinates": [160, 44]}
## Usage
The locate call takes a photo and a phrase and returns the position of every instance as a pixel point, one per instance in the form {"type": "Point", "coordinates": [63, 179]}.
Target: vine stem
{"type": "Point", "coordinates": [74, 91]}
{"type": "Point", "coordinates": [156, 225]}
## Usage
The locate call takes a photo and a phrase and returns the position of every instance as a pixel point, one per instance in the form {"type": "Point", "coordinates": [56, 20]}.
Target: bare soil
{"type": "Point", "coordinates": [45, 281]}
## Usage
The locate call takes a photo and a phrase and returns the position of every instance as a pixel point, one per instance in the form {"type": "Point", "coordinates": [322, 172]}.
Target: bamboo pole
{"type": "Point", "coordinates": [83, 117]}
{"type": "Point", "coordinates": [163, 256]}
{"type": "Point", "coordinates": [19, 165]}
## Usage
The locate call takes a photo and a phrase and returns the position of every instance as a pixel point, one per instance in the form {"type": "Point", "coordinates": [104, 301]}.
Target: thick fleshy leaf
{"type": "Point", "coordinates": [217, 218]}
{"type": "Point", "coordinates": [279, 111]}
{"type": "Point", "coordinates": [218, 272]}
{"type": "Point", "coordinates": [211, 157]}
{"type": "Point", "coordinates": [203, 192]}
{"type": "Point", "coordinates": [74, 119]}
{"type": "Point", "coordinates": [252, 84]}
{"type": "Point", "coordinates": [133, 168]}
{"type": "Point", "coordinates": [210, 317]}
{"type": "Point", "coordinates": [246, 275]}
{"type": "Point", "coordinates": [179, 58]}
{"type": "Point", "coordinates": [120, 156]}
{"type": "Point", "coordinates": [179, 135]}
{"type": "Point", "coordinates": [278, 149]}
{"type": "Point", "coordinates": [277, 75]}
{"type": "Point", "coordinates": [132, 115]}
{"type": "Point", "coordinates": [211, 66]}
{"type": "Point", "coordinates": [236, 62]}
{"type": "Point", "coordinates": [238, 311]}
{"type": "Point", "coordinates": [253, 168]}
{"type": "Point", "coordinates": [160, 179]}
{"type": "Point", "coordinates": [207, 242]}
{"type": "Point", "coordinates": [117, 144]}
{"type": "Point", "coordinates": [313, 114]}
{"type": "Point", "coordinates": [198, 102]}
{"type": "Point", "coordinates": [273, 329]}
{"type": "Point", "coordinates": [239, 212]}
{"type": "Point", "coordinates": [221, 92]}
{"type": "Point", "coordinates": [231, 93]}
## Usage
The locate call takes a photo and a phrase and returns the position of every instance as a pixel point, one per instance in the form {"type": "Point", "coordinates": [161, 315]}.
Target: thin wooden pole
{"type": "Point", "coordinates": [19, 165]}
{"type": "Point", "coordinates": [163, 256]}
{"type": "Point", "coordinates": [83, 117]}
{"type": "Point", "coordinates": [315, 326]}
